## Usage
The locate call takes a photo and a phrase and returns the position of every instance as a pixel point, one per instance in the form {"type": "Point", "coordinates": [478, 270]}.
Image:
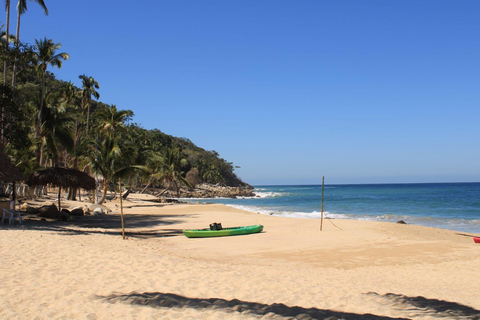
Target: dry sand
{"type": "Point", "coordinates": [83, 269]}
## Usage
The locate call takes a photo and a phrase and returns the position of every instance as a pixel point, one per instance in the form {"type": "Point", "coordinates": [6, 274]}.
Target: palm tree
{"type": "Point", "coordinates": [112, 121]}
{"type": "Point", "coordinates": [113, 156]}
{"type": "Point", "coordinates": [141, 148]}
{"type": "Point", "coordinates": [71, 97]}
{"type": "Point", "coordinates": [3, 36]}
{"type": "Point", "coordinates": [69, 94]}
{"type": "Point", "coordinates": [23, 159]}
{"type": "Point", "coordinates": [154, 166]}
{"type": "Point", "coordinates": [89, 88]}
{"type": "Point", "coordinates": [21, 9]}
{"type": "Point", "coordinates": [111, 160]}
{"type": "Point", "coordinates": [170, 169]}
{"type": "Point", "coordinates": [5, 41]}
{"type": "Point", "coordinates": [55, 132]}
{"type": "Point", "coordinates": [110, 125]}
{"type": "Point", "coordinates": [212, 175]}
{"type": "Point", "coordinates": [46, 55]}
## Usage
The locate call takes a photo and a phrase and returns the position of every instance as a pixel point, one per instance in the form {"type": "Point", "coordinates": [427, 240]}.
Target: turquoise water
{"type": "Point", "coordinates": [454, 206]}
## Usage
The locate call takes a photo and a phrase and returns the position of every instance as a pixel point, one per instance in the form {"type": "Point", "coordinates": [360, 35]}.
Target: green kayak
{"type": "Point", "coordinates": [205, 233]}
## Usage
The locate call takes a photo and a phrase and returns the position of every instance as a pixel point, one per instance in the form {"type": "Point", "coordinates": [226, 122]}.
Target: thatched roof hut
{"type": "Point", "coordinates": [8, 172]}
{"type": "Point", "coordinates": [61, 178]}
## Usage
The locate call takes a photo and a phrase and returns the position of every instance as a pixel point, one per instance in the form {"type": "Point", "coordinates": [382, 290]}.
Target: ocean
{"type": "Point", "coordinates": [454, 206]}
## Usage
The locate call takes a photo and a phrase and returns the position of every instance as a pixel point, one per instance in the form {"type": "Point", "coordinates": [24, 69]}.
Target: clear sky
{"type": "Point", "coordinates": [364, 91]}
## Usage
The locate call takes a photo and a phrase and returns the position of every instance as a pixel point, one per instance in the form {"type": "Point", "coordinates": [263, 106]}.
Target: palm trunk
{"type": "Point", "coordinates": [125, 195]}
{"type": "Point", "coordinates": [40, 154]}
{"type": "Point", "coordinates": [7, 38]}
{"type": "Point", "coordinates": [75, 144]}
{"type": "Point", "coordinates": [7, 34]}
{"type": "Point", "coordinates": [161, 193]}
{"type": "Point", "coordinates": [88, 118]}
{"type": "Point", "coordinates": [104, 195]}
{"type": "Point", "coordinates": [130, 181]}
{"type": "Point", "coordinates": [14, 73]}
{"type": "Point", "coordinates": [148, 185]}
{"type": "Point", "coordinates": [39, 118]}
{"type": "Point", "coordinates": [176, 188]}
{"type": "Point", "coordinates": [17, 42]}
{"type": "Point", "coordinates": [5, 67]}
{"type": "Point", "coordinates": [73, 192]}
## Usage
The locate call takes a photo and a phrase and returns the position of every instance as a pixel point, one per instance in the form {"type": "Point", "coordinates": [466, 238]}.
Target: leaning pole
{"type": "Point", "coordinates": [121, 207]}
{"type": "Point", "coordinates": [323, 188]}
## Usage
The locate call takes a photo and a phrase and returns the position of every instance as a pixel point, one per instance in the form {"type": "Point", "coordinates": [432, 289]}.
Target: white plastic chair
{"type": "Point", "coordinates": [7, 214]}
{"type": "Point", "coordinates": [10, 214]}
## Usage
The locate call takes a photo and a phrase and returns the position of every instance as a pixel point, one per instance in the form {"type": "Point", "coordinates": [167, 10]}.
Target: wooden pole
{"type": "Point", "coordinates": [14, 198]}
{"type": "Point", "coordinates": [121, 207]}
{"type": "Point", "coordinates": [59, 195]}
{"type": "Point", "coordinates": [323, 188]}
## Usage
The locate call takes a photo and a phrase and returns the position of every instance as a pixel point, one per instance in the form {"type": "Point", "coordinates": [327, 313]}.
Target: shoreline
{"type": "Point", "coordinates": [352, 269]}
{"type": "Point", "coordinates": [439, 223]}
{"type": "Point", "coordinates": [447, 206]}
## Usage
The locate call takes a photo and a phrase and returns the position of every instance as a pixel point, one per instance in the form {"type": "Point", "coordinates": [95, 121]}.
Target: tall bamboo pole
{"type": "Point", "coordinates": [14, 197]}
{"type": "Point", "coordinates": [323, 188]}
{"type": "Point", "coordinates": [121, 206]}
{"type": "Point", "coordinates": [59, 195]}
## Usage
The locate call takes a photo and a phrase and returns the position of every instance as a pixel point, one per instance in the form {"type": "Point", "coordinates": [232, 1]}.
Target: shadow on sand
{"type": "Point", "coordinates": [136, 225]}
{"type": "Point", "coordinates": [467, 235]}
{"type": "Point", "coordinates": [421, 306]}
{"type": "Point", "coordinates": [170, 300]}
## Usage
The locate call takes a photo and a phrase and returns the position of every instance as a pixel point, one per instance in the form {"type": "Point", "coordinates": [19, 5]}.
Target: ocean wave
{"type": "Point", "coordinates": [258, 195]}
{"type": "Point", "coordinates": [268, 194]}
{"type": "Point", "coordinates": [253, 209]}
{"type": "Point", "coordinates": [288, 214]}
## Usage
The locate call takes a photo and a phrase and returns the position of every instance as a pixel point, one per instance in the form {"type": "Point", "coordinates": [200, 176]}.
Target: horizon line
{"type": "Point", "coordinates": [370, 183]}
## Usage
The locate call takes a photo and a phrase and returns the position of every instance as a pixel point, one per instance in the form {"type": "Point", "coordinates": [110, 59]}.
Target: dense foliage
{"type": "Point", "coordinates": [45, 122]}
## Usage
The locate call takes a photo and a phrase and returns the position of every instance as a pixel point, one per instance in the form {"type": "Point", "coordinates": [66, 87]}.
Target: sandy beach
{"type": "Point", "coordinates": [83, 269]}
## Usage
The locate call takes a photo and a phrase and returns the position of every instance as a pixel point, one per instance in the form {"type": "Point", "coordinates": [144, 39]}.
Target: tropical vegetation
{"type": "Point", "coordinates": [46, 122]}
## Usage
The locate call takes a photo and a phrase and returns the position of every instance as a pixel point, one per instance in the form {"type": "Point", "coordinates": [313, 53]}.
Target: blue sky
{"type": "Point", "coordinates": [359, 91]}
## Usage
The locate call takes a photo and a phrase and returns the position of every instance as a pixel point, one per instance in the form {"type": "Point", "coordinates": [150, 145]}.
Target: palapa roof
{"type": "Point", "coordinates": [8, 172]}
{"type": "Point", "coordinates": [62, 177]}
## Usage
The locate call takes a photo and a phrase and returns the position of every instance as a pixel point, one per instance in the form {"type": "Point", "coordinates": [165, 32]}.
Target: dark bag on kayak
{"type": "Point", "coordinates": [215, 226]}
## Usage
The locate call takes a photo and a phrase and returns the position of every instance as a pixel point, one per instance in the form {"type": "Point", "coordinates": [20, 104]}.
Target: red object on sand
{"type": "Point", "coordinates": [477, 240]}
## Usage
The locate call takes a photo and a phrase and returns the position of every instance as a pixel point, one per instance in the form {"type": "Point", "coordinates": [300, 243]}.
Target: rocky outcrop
{"type": "Point", "coordinates": [25, 207]}
{"type": "Point", "coordinates": [49, 211]}
{"type": "Point", "coordinates": [77, 211]}
{"type": "Point", "coordinates": [208, 191]}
